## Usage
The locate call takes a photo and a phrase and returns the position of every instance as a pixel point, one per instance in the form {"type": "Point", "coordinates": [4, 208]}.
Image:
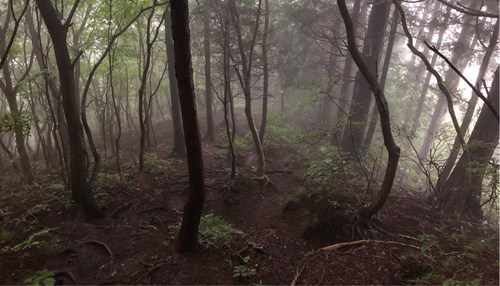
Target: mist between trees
{"type": "Point", "coordinates": [359, 101]}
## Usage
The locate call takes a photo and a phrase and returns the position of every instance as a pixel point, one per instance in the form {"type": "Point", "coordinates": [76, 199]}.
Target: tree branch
{"type": "Point", "coordinates": [454, 68]}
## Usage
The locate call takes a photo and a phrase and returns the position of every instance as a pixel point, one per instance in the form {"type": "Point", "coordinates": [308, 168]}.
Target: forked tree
{"type": "Point", "coordinates": [81, 191]}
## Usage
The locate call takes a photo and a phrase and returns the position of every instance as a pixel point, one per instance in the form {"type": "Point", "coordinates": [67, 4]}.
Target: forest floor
{"type": "Point", "coordinates": [136, 244]}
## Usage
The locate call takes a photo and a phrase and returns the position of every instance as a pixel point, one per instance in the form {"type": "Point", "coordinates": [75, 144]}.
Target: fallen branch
{"type": "Point", "coordinates": [364, 241]}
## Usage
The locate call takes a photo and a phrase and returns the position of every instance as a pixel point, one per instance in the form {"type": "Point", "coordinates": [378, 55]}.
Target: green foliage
{"type": "Point", "coordinates": [327, 169]}
{"type": "Point", "coordinates": [152, 163]}
{"type": "Point", "coordinates": [244, 270]}
{"type": "Point", "coordinates": [213, 230]}
{"type": "Point", "coordinates": [240, 144]}
{"type": "Point", "coordinates": [18, 122]}
{"type": "Point", "coordinates": [289, 137]}
{"type": "Point", "coordinates": [30, 242]}
{"type": "Point", "coordinates": [43, 277]}
{"type": "Point", "coordinates": [106, 180]}
{"type": "Point", "coordinates": [455, 282]}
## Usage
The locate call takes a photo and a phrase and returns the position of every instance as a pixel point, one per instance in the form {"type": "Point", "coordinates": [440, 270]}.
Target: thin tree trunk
{"type": "Point", "coordinates": [366, 212]}
{"type": "Point", "coordinates": [415, 123]}
{"type": "Point", "coordinates": [187, 239]}
{"type": "Point", "coordinates": [208, 78]}
{"type": "Point", "coordinates": [265, 84]}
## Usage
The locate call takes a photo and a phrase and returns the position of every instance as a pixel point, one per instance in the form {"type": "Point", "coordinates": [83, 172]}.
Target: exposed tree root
{"type": "Point", "coordinates": [66, 273]}
{"type": "Point", "coordinates": [103, 245]}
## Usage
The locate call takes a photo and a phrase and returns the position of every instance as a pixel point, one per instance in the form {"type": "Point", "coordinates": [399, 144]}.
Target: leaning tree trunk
{"type": "Point", "coordinates": [464, 186]}
{"type": "Point", "coordinates": [81, 192]}
{"type": "Point", "coordinates": [188, 234]}
{"type": "Point", "coordinates": [366, 212]}
{"type": "Point", "coordinates": [178, 150]}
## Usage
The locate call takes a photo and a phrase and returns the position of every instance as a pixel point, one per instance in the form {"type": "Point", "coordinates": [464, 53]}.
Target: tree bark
{"type": "Point", "coordinates": [463, 187]}
{"type": "Point", "coordinates": [178, 149]}
{"type": "Point", "coordinates": [208, 78]}
{"type": "Point", "coordinates": [265, 75]}
{"type": "Point", "coordinates": [244, 77]}
{"type": "Point", "coordinates": [461, 52]}
{"type": "Point", "coordinates": [187, 239]}
{"type": "Point", "coordinates": [81, 192]}
{"type": "Point", "coordinates": [415, 122]}
{"type": "Point", "coordinates": [354, 132]}
{"type": "Point", "coordinates": [450, 162]}
{"type": "Point", "coordinates": [366, 212]}
{"type": "Point", "coordinates": [385, 71]}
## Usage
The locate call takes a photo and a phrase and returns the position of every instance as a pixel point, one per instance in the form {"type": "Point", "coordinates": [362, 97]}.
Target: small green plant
{"type": "Point", "coordinates": [30, 242]}
{"type": "Point", "coordinates": [107, 180]}
{"type": "Point", "coordinates": [43, 277]}
{"type": "Point", "coordinates": [56, 187]}
{"type": "Point", "coordinates": [455, 282]}
{"type": "Point", "coordinates": [213, 230]}
{"type": "Point", "coordinates": [240, 144]}
{"type": "Point", "coordinates": [244, 270]}
{"type": "Point", "coordinates": [429, 242]}
{"type": "Point", "coordinates": [152, 163]}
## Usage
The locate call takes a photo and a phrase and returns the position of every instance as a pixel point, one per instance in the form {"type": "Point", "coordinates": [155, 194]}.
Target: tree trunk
{"type": "Point", "coordinates": [463, 188]}
{"type": "Point", "coordinates": [450, 162]}
{"type": "Point", "coordinates": [461, 56]}
{"type": "Point", "coordinates": [415, 122]}
{"type": "Point", "coordinates": [188, 234]}
{"type": "Point", "coordinates": [244, 77]}
{"type": "Point", "coordinates": [354, 133]}
{"type": "Point", "coordinates": [178, 150]}
{"type": "Point", "coordinates": [81, 192]}
{"type": "Point", "coordinates": [366, 212]}
{"type": "Point", "coordinates": [208, 78]}
{"type": "Point", "coordinates": [385, 71]}
{"type": "Point", "coordinates": [265, 75]}
{"type": "Point", "coordinates": [9, 92]}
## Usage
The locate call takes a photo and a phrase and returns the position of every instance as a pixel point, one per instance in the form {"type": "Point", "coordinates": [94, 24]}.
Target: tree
{"type": "Point", "coordinates": [187, 239]}
{"type": "Point", "coordinates": [208, 77]}
{"type": "Point", "coordinates": [463, 187]}
{"type": "Point", "coordinates": [178, 149]}
{"type": "Point", "coordinates": [265, 75]}
{"type": "Point", "coordinates": [81, 191]}
{"type": "Point", "coordinates": [10, 90]}
{"type": "Point", "coordinates": [366, 212]}
{"type": "Point", "coordinates": [450, 162]}
{"type": "Point", "coordinates": [354, 132]}
{"type": "Point", "coordinates": [461, 51]}
{"type": "Point", "coordinates": [244, 76]}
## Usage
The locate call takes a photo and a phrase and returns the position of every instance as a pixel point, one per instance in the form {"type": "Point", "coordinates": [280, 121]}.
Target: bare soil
{"type": "Point", "coordinates": [136, 243]}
